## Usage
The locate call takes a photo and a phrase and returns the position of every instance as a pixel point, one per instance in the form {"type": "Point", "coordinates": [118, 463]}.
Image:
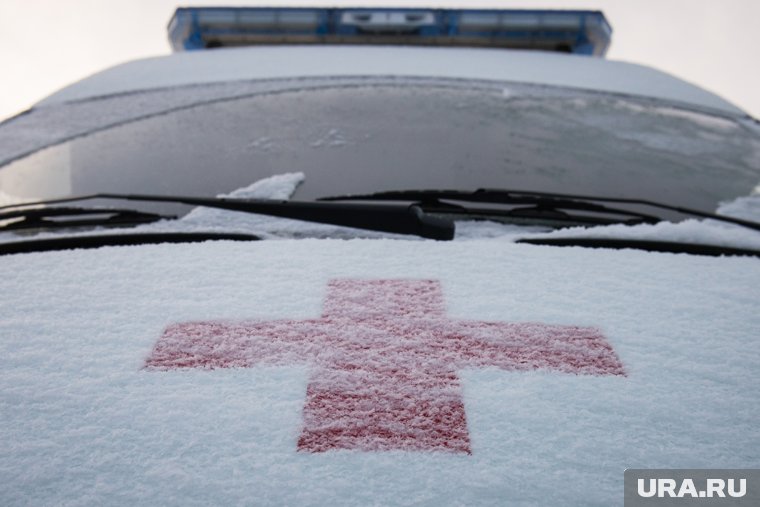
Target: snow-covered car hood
{"type": "Point", "coordinates": [191, 374]}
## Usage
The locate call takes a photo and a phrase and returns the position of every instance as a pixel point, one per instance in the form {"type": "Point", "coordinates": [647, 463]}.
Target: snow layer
{"type": "Point", "coordinates": [7, 200]}
{"type": "Point", "coordinates": [708, 232]}
{"type": "Point", "coordinates": [747, 207]}
{"type": "Point", "coordinates": [82, 422]}
{"type": "Point", "coordinates": [310, 61]}
{"type": "Point", "coordinates": [279, 187]}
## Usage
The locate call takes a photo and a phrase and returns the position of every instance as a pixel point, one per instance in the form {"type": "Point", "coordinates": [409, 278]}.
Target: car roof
{"type": "Point", "coordinates": [277, 62]}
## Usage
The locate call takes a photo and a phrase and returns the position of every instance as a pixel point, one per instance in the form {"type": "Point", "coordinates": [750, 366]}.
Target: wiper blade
{"type": "Point", "coordinates": [67, 217]}
{"type": "Point", "coordinates": [541, 201]}
{"type": "Point", "coordinates": [647, 245]}
{"type": "Point", "coordinates": [392, 218]}
{"type": "Point", "coordinates": [101, 240]}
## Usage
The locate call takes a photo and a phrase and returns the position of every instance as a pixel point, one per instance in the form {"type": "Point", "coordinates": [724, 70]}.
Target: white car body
{"type": "Point", "coordinates": [144, 375]}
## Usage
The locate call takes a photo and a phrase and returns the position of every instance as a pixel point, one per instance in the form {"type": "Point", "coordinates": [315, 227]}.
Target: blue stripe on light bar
{"type": "Point", "coordinates": [580, 32]}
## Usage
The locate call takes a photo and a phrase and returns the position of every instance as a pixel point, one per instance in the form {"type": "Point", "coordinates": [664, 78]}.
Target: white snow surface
{"type": "Point", "coordinates": [82, 422]}
{"type": "Point", "coordinates": [7, 199]}
{"type": "Point", "coordinates": [747, 207]}
{"type": "Point", "coordinates": [706, 232]}
{"type": "Point", "coordinates": [277, 62]}
{"type": "Point", "coordinates": [278, 187]}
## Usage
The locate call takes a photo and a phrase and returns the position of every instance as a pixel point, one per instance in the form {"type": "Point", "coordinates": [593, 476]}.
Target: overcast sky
{"type": "Point", "coordinates": [47, 44]}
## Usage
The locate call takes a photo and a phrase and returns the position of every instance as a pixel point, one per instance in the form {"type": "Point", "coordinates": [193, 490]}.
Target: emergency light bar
{"type": "Point", "coordinates": [580, 32]}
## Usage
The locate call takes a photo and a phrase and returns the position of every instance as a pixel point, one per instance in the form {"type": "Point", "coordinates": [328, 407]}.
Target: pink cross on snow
{"type": "Point", "coordinates": [384, 359]}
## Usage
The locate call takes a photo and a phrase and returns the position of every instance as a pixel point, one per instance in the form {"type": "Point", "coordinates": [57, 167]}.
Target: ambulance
{"type": "Point", "coordinates": [378, 256]}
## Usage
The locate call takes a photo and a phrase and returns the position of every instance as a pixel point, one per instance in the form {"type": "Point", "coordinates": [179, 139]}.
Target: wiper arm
{"type": "Point", "coordinates": [393, 218]}
{"type": "Point", "coordinates": [66, 217]}
{"type": "Point", "coordinates": [542, 200]}
{"type": "Point", "coordinates": [542, 207]}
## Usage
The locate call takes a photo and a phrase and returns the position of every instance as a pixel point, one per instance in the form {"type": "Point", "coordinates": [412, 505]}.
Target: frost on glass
{"type": "Point", "coordinates": [365, 135]}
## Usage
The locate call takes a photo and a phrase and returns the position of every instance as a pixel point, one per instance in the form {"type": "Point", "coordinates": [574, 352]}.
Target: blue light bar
{"type": "Point", "coordinates": [580, 32]}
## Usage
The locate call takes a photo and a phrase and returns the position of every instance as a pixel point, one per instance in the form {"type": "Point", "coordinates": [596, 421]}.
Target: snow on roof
{"type": "Point", "coordinates": [467, 63]}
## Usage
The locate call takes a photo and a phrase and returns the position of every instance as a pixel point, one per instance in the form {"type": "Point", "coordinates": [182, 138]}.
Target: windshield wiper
{"type": "Point", "coordinates": [131, 239]}
{"type": "Point", "coordinates": [67, 217]}
{"type": "Point", "coordinates": [539, 205]}
{"type": "Point", "coordinates": [392, 218]}
{"type": "Point", "coordinates": [646, 245]}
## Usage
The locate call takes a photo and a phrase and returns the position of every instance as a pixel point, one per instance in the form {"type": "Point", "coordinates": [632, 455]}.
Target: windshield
{"type": "Point", "coordinates": [354, 136]}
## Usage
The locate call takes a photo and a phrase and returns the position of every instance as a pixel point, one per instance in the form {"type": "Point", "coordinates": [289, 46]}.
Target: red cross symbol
{"type": "Point", "coordinates": [384, 359]}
